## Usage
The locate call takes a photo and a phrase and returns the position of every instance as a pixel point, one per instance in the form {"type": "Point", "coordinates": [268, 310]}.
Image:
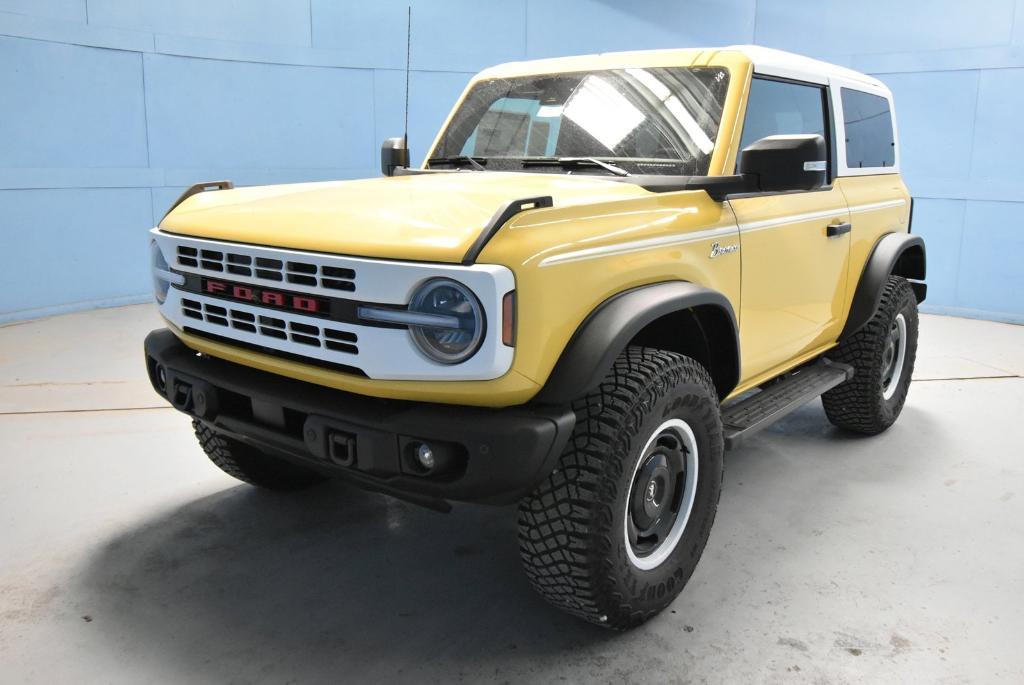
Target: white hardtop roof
{"type": "Point", "coordinates": [766, 61]}
{"type": "Point", "coordinates": [784, 64]}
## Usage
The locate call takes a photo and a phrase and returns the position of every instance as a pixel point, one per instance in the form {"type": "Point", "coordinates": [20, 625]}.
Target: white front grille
{"type": "Point", "coordinates": [384, 353]}
{"type": "Point", "coordinates": [225, 262]}
{"type": "Point", "coordinates": [271, 326]}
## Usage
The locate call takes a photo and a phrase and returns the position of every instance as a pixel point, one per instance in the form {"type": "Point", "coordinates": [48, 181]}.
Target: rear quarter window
{"type": "Point", "coordinates": [867, 121]}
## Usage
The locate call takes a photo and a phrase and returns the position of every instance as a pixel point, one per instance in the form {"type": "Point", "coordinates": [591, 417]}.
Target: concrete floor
{"type": "Point", "coordinates": [125, 557]}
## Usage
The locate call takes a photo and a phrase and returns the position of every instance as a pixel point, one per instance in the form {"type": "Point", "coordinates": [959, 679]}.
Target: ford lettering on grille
{"type": "Point", "coordinates": [263, 296]}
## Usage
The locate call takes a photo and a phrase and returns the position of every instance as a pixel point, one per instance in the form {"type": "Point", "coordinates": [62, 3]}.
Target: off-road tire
{"type": "Point", "coordinates": [859, 404]}
{"type": "Point", "coordinates": [250, 465]}
{"type": "Point", "coordinates": [572, 538]}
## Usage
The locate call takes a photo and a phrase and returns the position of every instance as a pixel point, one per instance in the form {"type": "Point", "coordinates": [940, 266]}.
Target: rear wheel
{"type": "Point", "coordinates": [616, 530]}
{"type": "Point", "coordinates": [253, 466]}
{"type": "Point", "coordinates": [882, 354]}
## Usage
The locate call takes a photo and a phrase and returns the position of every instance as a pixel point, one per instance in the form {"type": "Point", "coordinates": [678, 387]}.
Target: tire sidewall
{"type": "Point", "coordinates": [692, 403]}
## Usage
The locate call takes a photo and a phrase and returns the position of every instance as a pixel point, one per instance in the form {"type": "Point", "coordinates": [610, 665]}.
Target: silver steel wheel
{"type": "Point", "coordinates": [661, 494]}
{"type": "Point", "coordinates": [893, 354]}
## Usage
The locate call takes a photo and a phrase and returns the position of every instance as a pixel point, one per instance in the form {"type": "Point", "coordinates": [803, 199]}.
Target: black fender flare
{"type": "Point", "coordinates": [885, 260]}
{"type": "Point", "coordinates": [606, 332]}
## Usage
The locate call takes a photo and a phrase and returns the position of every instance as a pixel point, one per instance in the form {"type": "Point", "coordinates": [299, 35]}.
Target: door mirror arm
{"type": "Point", "coordinates": [719, 188]}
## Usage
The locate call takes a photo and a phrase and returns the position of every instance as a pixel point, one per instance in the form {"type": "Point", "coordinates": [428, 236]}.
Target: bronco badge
{"type": "Point", "coordinates": [717, 249]}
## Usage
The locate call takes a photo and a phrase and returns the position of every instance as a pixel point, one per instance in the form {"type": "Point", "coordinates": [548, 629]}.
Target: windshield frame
{"type": "Point", "coordinates": [712, 164]}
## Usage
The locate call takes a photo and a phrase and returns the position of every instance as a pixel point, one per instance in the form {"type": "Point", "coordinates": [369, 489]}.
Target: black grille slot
{"type": "Point", "coordinates": [219, 320]}
{"type": "Point", "coordinates": [345, 336]}
{"type": "Point", "coordinates": [341, 347]}
{"type": "Point", "coordinates": [188, 261]}
{"type": "Point", "coordinates": [302, 280]}
{"type": "Point", "coordinates": [338, 285]}
{"type": "Point", "coordinates": [213, 254]}
{"type": "Point", "coordinates": [187, 251]}
{"type": "Point", "coordinates": [212, 266]}
{"type": "Point", "coordinates": [269, 263]}
{"type": "Point", "coordinates": [240, 270]}
{"type": "Point", "coordinates": [239, 258]}
{"type": "Point", "coordinates": [271, 321]}
{"type": "Point", "coordinates": [338, 272]}
{"type": "Point", "coordinates": [270, 275]}
{"type": "Point", "coordinates": [214, 309]}
{"type": "Point", "coordinates": [273, 333]}
{"type": "Point", "coordinates": [306, 340]}
{"type": "Point", "coordinates": [242, 320]}
{"type": "Point", "coordinates": [302, 267]}
{"type": "Point", "coordinates": [305, 328]}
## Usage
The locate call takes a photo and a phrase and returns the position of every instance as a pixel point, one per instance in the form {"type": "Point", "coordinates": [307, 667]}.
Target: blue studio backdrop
{"type": "Point", "coordinates": [109, 108]}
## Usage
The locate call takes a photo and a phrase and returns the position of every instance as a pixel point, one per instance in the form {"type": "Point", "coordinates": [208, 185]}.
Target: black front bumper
{"type": "Point", "coordinates": [486, 455]}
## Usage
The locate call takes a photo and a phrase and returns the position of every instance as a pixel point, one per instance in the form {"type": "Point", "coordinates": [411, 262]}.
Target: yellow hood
{"type": "Point", "coordinates": [427, 217]}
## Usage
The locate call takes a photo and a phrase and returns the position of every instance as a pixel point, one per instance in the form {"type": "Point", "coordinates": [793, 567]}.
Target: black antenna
{"type": "Point", "coordinates": [408, 52]}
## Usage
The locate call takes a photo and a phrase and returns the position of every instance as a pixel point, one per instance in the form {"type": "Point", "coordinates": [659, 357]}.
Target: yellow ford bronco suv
{"type": "Point", "coordinates": [610, 269]}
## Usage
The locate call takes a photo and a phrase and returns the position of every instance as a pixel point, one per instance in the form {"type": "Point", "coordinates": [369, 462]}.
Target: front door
{"type": "Point", "coordinates": [794, 266]}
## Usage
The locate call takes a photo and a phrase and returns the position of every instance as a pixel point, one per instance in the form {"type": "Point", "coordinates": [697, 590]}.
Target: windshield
{"type": "Point", "coordinates": [642, 121]}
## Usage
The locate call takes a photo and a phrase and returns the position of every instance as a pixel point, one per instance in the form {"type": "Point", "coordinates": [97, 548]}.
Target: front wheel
{"type": "Point", "coordinates": [616, 530]}
{"type": "Point", "coordinates": [250, 465]}
{"type": "Point", "coordinates": [882, 354]}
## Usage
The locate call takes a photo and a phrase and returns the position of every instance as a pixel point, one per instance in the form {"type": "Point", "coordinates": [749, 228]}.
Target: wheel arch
{"type": "Point", "coordinates": [676, 316]}
{"type": "Point", "coordinates": [895, 254]}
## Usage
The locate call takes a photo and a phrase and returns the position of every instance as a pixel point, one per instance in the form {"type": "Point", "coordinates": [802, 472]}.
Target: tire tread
{"type": "Point", "coordinates": [564, 555]}
{"type": "Point", "coordinates": [857, 405]}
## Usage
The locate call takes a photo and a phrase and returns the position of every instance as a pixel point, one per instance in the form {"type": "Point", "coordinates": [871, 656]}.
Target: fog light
{"type": "Point", "coordinates": [425, 456]}
{"type": "Point", "coordinates": [161, 376]}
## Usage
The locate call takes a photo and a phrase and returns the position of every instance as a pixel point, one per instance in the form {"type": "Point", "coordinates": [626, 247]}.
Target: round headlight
{"type": "Point", "coordinates": [160, 270]}
{"type": "Point", "coordinates": [459, 327]}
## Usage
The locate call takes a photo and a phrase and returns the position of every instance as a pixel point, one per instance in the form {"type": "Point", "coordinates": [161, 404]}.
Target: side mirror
{"type": "Point", "coordinates": [393, 154]}
{"type": "Point", "coordinates": [796, 162]}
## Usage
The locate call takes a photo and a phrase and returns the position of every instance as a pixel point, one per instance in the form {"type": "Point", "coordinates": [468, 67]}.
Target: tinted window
{"type": "Point", "coordinates": [868, 124]}
{"type": "Point", "coordinates": [651, 121]}
{"type": "Point", "coordinates": [780, 108]}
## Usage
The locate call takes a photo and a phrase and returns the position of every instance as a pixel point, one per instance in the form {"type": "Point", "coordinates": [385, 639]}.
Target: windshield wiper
{"type": "Point", "coordinates": [575, 162]}
{"type": "Point", "coordinates": [459, 160]}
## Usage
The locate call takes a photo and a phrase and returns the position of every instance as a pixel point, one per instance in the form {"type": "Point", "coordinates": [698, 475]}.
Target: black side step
{"type": "Point", "coordinates": [751, 414]}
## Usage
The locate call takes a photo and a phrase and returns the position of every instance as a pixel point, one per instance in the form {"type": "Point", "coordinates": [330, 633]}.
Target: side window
{"type": "Point", "coordinates": [868, 124]}
{"type": "Point", "coordinates": [782, 108]}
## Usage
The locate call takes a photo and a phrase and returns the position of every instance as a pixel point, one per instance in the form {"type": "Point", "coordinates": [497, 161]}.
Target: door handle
{"type": "Point", "coordinates": [833, 230]}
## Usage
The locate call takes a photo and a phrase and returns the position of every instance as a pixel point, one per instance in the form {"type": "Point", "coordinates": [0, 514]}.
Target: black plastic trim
{"type": "Point", "coordinates": [196, 189]}
{"type": "Point", "coordinates": [786, 393]}
{"type": "Point", "coordinates": [499, 455]}
{"type": "Point", "coordinates": [500, 218]}
{"type": "Point", "coordinates": [608, 330]}
{"type": "Point", "coordinates": [880, 265]}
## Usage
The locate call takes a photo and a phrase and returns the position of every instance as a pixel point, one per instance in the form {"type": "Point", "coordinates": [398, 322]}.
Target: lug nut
{"type": "Point", "coordinates": [425, 456]}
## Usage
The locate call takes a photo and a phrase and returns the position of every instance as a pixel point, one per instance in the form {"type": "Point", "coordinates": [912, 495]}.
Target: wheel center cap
{"type": "Point", "coordinates": [652, 490]}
